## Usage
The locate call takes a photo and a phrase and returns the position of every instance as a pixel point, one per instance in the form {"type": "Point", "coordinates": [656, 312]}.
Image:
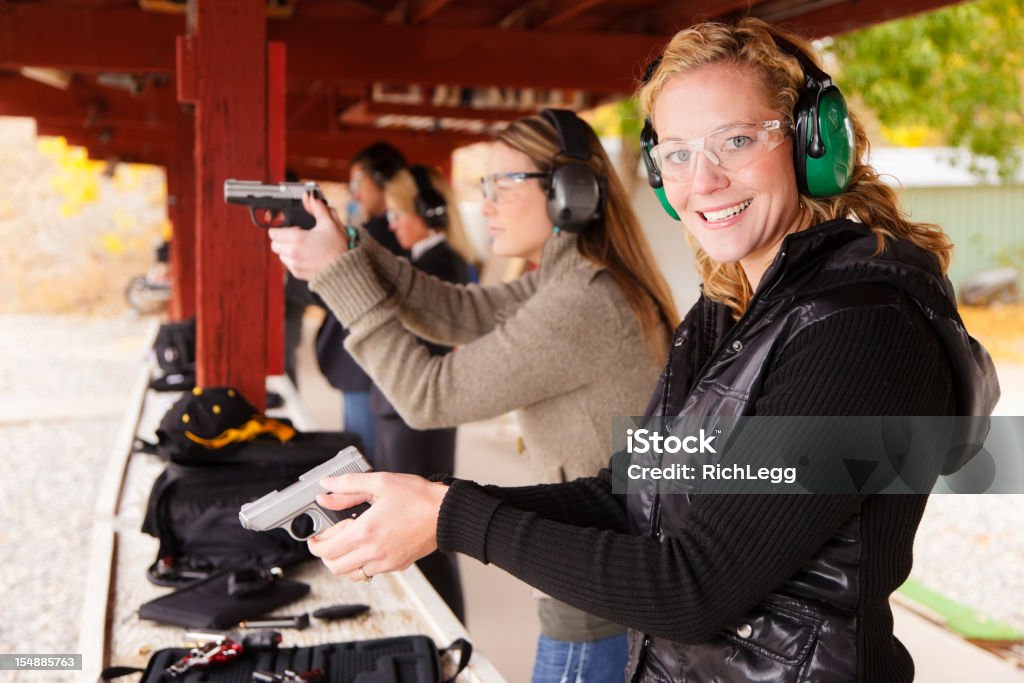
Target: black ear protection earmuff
{"type": "Point", "coordinates": [575, 191]}
{"type": "Point", "coordinates": [430, 204]}
{"type": "Point", "coordinates": [823, 142]}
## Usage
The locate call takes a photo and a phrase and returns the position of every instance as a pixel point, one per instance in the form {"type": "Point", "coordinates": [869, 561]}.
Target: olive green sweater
{"type": "Point", "coordinates": [560, 346]}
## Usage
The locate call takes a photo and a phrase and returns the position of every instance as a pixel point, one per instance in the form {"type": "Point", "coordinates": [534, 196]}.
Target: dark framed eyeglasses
{"type": "Point", "coordinates": [493, 184]}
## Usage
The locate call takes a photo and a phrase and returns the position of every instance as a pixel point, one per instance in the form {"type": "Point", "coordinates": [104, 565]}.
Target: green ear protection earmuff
{"type": "Point", "coordinates": [823, 143]}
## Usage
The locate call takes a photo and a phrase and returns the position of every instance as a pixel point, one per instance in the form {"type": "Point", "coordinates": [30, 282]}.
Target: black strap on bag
{"type": "Point", "coordinates": [465, 649]}
{"type": "Point", "coordinates": [112, 672]}
{"type": "Point", "coordinates": [403, 659]}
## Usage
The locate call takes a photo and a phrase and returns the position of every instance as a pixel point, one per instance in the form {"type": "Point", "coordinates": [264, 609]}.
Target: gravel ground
{"type": "Point", "coordinates": [53, 466]}
{"type": "Point", "coordinates": [970, 548]}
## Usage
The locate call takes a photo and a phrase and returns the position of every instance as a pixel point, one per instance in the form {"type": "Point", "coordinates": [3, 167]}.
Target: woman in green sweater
{"type": "Point", "coordinates": [567, 346]}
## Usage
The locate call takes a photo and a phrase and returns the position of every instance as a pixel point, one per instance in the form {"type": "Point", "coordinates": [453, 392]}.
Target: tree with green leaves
{"type": "Point", "coordinates": [957, 71]}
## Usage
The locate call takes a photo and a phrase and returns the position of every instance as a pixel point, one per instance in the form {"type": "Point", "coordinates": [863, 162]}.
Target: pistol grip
{"type": "Point", "coordinates": [316, 519]}
{"type": "Point", "coordinates": [301, 218]}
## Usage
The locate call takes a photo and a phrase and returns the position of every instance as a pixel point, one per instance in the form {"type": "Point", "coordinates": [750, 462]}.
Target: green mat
{"type": "Point", "coordinates": [960, 619]}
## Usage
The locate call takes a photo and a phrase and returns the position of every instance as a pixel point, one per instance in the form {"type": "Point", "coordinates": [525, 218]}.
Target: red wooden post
{"type": "Point", "coordinates": [181, 210]}
{"type": "Point", "coordinates": [223, 69]}
{"type": "Point", "coordinates": [276, 165]}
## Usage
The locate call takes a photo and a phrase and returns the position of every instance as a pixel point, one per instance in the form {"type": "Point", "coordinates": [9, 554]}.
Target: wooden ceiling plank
{"type": "Point", "coordinates": [93, 107]}
{"type": "Point", "coordinates": [852, 15]}
{"type": "Point", "coordinates": [420, 11]}
{"type": "Point", "coordinates": [312, 98]}
{"type": "Point", "coordinates": [398, 12]}
{"type": "Point", "coordinates": [565, 12]}
{"type": "Point", "coordinates": [356, 115]}
{"type": "Point", "coordinates": [467, 113]}
{"type": "Point", "coordinates": [133, 41]}
{"type": "Point", "coordinates": [670, 17]}
{"type": "Point", "coordinates": [435, 55]}
{"type": "Point", "coordinates": [114, 39]}
{"type": "Point", "coordinates": [519, 16]}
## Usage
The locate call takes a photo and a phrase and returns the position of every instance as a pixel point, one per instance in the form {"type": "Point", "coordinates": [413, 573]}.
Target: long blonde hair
{"type": "Point", "coordinates": [749, 44]}
{"type": "Point", "coordinates": [402, 191]}
{"type": "Point", "coordinates": [616, 242]}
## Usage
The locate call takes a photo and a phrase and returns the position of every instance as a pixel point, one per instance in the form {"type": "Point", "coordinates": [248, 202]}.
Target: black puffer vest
{"type": "Point", "coordinates": [807, 629]}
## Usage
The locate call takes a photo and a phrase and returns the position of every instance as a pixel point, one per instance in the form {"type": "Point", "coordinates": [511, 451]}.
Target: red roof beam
{"type": "Point", "coordinates": [128, 40]}
{"type": "Point", "coordinates": [599, 63]}
{"type": "Point", "coordinates": [565, 11]}
{"type": "Point", "coordinates": [145, 151]}
{"type": "Point", "coordinates": [95, 105]}
{"type": "Point", "coordinates": [108, 39]}
{"type": "Point", "coordinates": [830, 18]}
{"type": "Point", "coordinates": [420, 11]}
{"type": "Point", "coordinates": [470, 113]}
{"type": "Point", "coordinates": [345, 144]}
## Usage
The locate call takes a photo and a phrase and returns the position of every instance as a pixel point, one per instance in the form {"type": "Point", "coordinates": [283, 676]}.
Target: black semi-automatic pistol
{"type": "Point", "coordinates": [282, 200]}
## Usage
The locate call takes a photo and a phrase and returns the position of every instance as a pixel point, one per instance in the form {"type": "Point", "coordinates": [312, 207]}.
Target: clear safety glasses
{"type": "Point", "coordinates": [730, 148]}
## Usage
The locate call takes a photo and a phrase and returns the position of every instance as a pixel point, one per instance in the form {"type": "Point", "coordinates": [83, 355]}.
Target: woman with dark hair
{"type": "Point", "coordinates": [567, 346]}
{"type": "Point", "coordinates": [369, 171]}
{"type": "Point", "coordinates": [820, 299]}
{"type": "Point", "coordinates": [422, 217]}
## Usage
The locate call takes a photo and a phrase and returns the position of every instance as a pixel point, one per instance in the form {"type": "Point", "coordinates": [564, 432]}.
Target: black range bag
{"type": "Point", "coordinates": [405, 659]}
{"type": "Point", "coordinates": [222, 453]}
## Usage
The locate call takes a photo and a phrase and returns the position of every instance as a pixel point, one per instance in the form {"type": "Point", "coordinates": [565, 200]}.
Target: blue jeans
{"type": "Point", "coordinates": [595, 661]}
{"type": "Point", "coordinates": [357, 419]}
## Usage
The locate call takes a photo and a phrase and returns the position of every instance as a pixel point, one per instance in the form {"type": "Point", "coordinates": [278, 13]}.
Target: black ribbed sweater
{"type": "Point", "coordinates": [571, 540]}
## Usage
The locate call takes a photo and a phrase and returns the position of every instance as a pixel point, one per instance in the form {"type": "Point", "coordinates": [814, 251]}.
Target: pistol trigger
{"type": "Point", "coordinates": [324, 518]}
{"type": "Point", "coordinates": [256, 221]}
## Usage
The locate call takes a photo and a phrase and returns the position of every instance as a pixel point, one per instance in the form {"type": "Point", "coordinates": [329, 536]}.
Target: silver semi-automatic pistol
{"type": "Point", "coordinates": [295, 508]}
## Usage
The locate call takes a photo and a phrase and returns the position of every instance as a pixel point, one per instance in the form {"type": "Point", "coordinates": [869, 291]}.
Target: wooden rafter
{"type": "Point", "coordinates": [346, 142]}
{"type": "Point", "coordinates": [110, 39]}
{"type": "Point", "coordinates": [369, 110]}
{"type": "Point", "coordinates": [565, 11]}
{"type": "Point", "coordinates": [519, 17]}
{"type": "Point", "coordinates": [775, 11]}
{"type": "Point", "coordinates": [335, 50]}
{"type": "Point", "coordinates": [432, 55]}
{"type": "Point", "coordinates": [420, 11]}
{"type": "Point", "coordinates": [681, 13]}
{"type": "Point", "coordinates": [398, 12]}
{"type": "Point", "coordinates": [850, 15]}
